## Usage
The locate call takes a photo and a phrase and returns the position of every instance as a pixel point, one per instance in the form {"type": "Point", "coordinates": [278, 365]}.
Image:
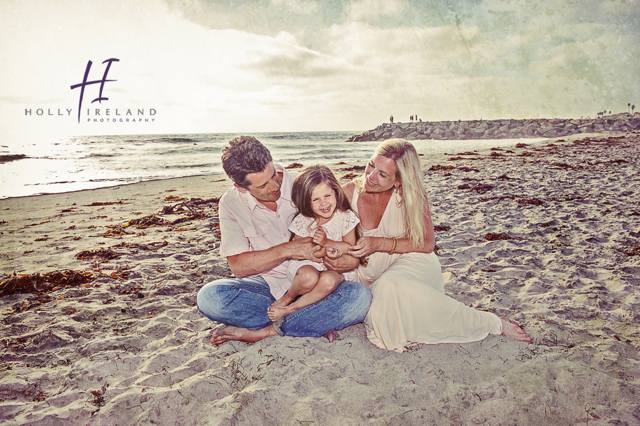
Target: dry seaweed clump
{"type": "Point", "coordinates": [497, 236]}
{"type": "Point", "coordinates": [101, 253]}
{"type": "Point", "coordinates": [633, 252]}
{"type": "Point", "coordinates": [147, 222]}
{"type": "Point", "coordinates": [439, 167]}
{"type": "Point", "coordinates": [44, 283]}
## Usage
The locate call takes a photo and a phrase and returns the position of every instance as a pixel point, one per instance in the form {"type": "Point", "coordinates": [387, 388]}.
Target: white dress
{"type": "Point", "coordinates": [409, 305]}
{"type": "Point", "coordinates": [340, 225]}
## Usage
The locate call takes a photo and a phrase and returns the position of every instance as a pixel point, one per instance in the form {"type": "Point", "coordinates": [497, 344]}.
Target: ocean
{"type": "Point", "coordinates": [87, 162]}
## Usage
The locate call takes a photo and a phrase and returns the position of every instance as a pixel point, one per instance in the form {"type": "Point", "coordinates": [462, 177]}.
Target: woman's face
{"type": "Point", "coordinates": [380, 174]}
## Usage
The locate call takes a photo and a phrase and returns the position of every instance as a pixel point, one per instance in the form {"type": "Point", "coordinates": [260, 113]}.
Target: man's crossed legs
{"type": "Point", "coordinates": [242, 305]}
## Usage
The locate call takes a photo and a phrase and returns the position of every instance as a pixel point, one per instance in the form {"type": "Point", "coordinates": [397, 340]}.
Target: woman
{"type": "Point", "coordinates": [409, 305]}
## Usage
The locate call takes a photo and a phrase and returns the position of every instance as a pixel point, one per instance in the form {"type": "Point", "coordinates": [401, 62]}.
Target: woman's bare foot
{"type": "Point", "coordinates": [276, 312]}
{"type": "Point", "coordinates": [229, 332]}
{"type": "Point", "coordinates": [512, 330]}
{"type": "Point", "coordinates": [331, 335]}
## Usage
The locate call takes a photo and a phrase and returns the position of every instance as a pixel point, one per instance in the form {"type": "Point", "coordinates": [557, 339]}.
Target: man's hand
{"type": "Point", "coordinates": [320, 237]}
{"type": "Point", "coordinates": [256, 262]}
{"type": "Point", "coordinates": [342, 264]}
{"type": "Point", "coordinates": [303, 248]}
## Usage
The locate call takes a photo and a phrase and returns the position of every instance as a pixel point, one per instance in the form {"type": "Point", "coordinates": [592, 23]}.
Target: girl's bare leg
{"type": "Point", "coordinates": [305, 280]}
{"type": "Point", "coordinates": [327, 282]}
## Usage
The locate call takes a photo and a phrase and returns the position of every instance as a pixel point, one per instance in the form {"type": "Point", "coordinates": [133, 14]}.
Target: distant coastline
{"type": "Point", "coordinates": [499, 129]}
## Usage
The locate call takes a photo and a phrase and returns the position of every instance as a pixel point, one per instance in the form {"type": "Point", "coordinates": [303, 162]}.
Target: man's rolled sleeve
{"type": "Point", "coordinates": [233, 240]}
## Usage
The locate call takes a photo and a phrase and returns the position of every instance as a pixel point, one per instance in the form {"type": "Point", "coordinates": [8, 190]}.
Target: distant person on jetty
{"type": "Point", "coordinates": [391, 119]}
{"type": "Point", "coordinates": [255, 215]}
{"type": "Point", "coordinates": [409, 304]}
{"type": "Point", "coordinates": [325, 215]}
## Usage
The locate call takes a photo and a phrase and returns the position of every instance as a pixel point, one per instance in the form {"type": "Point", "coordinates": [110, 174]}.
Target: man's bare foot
{"type": "Point", "coordinates": [275, 313]}
{"type": "Point", "coordinates": [229, 332]}
{"type": "Point", "coordinates": [512, 330]}
{"type": "Point", "coordinates": [331, 335]}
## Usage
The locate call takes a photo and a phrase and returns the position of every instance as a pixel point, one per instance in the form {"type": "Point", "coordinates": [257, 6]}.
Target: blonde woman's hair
{"type": "Point", "coordinates": [409, 173]}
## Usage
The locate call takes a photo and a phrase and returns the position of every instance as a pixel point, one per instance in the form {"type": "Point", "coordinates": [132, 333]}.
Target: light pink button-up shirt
{"type": "Point", "coordinates": [247, 225]}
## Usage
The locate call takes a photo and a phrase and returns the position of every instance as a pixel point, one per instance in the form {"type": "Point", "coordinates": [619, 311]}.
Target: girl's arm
{"type": "Point", "coordinates": [348, 240]}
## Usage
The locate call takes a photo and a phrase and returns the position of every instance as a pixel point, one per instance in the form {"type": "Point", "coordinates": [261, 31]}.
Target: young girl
{"type": "Point", "coordinates": [324, 213]}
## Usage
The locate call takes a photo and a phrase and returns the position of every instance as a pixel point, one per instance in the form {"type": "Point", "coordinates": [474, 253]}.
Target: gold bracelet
{"type": "Point", "coordinates": [395, 244]}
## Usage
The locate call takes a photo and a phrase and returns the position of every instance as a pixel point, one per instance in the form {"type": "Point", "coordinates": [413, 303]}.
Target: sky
{"type": "Point", "coordinates": [207, 66]}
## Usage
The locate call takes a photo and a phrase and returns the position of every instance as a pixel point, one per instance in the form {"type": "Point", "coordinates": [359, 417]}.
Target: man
{"type": "Point", "coordinates": [254, 219]}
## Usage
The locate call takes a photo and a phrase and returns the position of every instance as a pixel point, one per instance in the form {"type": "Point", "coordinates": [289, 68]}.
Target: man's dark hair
{"type": "Point", "coordinates": [243, 156]}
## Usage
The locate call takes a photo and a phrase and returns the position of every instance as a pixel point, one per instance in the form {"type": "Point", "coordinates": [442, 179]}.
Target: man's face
{"type": "Point", "coordinates": [265, 185]}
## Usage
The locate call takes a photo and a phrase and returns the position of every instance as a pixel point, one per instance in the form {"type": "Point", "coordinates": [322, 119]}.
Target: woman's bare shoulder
{"type": "Point", "coordinates": [348, 188]}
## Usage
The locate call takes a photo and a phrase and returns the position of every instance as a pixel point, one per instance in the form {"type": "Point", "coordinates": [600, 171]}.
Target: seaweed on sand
{"type": "Point", "coordinates": [44, 283]}
{"type": "Point", "coordinates": [101, 253]}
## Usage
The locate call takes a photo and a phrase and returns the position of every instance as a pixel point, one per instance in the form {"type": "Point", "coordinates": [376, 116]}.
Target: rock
{"type": "Point", "coordinates": [412, 136]}
{"type": "Point", "coordinates": [479, 129]}
{"type": "Point", "coordinates": [634, 123]}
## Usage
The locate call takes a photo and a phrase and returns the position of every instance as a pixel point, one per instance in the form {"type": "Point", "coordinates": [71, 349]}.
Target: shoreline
{"type": "Point", "coordinates": [435, 157]}
{"type": "Point", "coordinates": [545, 234]}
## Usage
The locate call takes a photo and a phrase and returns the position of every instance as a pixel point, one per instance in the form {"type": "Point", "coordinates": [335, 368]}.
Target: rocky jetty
{"type": "Point", "coordinates": [497, 129]}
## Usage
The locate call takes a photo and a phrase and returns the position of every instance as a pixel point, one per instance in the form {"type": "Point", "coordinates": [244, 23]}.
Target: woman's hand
{"type": "Point", "coordinates": [365, 246]}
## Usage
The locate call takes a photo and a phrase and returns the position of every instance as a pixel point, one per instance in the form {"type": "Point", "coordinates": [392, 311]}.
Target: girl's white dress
{"type": "Point", "coordinates": [409, 305]}
{"type": "Point", "coordinates": [340, 224]}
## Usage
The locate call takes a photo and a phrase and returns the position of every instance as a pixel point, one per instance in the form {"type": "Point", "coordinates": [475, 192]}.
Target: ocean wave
{"type": "Point", "coordinates": [100, 155]}
{"type": "Point", "coordinates": [50, 183]}
{"type": "Point", "coordinates": [177, 140]}
{"type": "Point", "coordinates": [194, 166]}
{"type": "Point", "coordinates": [283, 136]}
{"type": "Point", "coordinates": [5, 158]}
{"type": "Point", "coordinates": [121, 179]}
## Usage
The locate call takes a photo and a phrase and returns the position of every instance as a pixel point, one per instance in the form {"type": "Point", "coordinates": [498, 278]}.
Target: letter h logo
{"type": "Point", "coordinates": [84, 83]}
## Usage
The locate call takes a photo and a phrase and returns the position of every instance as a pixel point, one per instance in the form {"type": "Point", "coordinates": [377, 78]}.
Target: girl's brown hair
{"type": "Point", "coordinates": [307, 180]}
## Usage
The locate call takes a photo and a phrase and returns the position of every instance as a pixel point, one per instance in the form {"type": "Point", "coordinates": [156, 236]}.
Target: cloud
{"type": "Point", "coordinates": [296, 63]}
{"type": "Point", "coordinates": [298, 6]}
{"type": "Point", "coordinates": [363, 9]}
{"type": "Point", "coordinates": [210, 64]}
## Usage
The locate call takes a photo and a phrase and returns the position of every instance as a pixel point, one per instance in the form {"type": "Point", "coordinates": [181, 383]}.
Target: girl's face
{"type": "Point", "coordinates": [380, 174]}
{"type": "Point", "coordinates": [323, 202]}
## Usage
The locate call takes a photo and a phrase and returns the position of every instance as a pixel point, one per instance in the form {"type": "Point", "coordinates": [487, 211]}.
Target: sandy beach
{"type": "Point", "coordinates": [545, 234]}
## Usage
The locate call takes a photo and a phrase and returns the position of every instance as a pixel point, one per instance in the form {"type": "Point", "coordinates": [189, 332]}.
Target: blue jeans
{"type": "Point", "coordinates": [244, 303]}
